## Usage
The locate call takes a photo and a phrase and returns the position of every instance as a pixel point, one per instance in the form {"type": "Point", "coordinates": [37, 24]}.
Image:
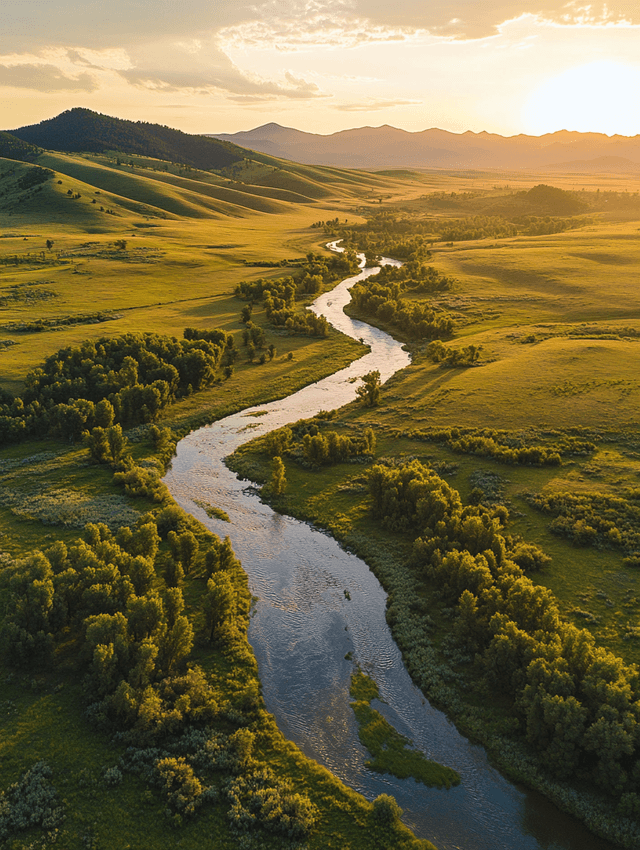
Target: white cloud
{"type": "Point", "coordinates": [44, 78]}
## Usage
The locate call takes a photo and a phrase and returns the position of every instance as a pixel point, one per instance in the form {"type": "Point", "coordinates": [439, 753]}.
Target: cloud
{"type": "Point", "coordinates": [94, 24]}
{"type": "Point", "coordinates": [478, 18]}
{"type": "Point", "coordinates": [373, 105]}
{"type": "Point", "coordinates": [174, 68]}
{"type": "Point", "coordinates": [291, 35]}
{"type": "Point", "coordinates": [44, 78]}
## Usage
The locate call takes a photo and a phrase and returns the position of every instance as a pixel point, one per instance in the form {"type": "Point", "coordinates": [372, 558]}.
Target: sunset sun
{"type": "Point", "coordinates": [601, 97]}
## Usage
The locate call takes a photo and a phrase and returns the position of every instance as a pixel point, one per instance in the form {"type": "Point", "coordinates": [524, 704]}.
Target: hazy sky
{"type": "Point", "coordinates": [509, 66]}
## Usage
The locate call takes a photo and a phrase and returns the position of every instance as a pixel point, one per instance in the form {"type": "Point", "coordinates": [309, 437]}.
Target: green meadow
{"type": "Point", "coordinates": [114, 244]}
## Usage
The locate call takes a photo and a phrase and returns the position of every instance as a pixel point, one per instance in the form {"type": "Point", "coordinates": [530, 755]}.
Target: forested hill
{"type": "Point", "coordinates": [13, 148]}
{"type": "Point", "coordinates": [83, 130]}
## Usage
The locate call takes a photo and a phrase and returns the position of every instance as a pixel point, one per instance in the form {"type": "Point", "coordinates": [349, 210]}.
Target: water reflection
{"type": "Point", "coordinates": [303, 626]}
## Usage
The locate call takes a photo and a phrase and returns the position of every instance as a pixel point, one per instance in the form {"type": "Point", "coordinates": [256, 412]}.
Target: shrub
{"type": "Point", "coordinates": [386, 810]}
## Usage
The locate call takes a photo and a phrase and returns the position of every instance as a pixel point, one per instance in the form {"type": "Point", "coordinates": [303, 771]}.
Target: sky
{"type": "Point", "coordinates": [222, 66]}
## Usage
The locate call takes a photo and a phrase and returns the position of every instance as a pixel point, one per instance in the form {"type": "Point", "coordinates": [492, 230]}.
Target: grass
{"type": "Point", "coordinates": [391, 752]}
{"type": "Point", "coordinates": [212, 511]}
{"type": "Point", "coordinates": [174, 272]}
{"type": "Point", "coordinates": [552, 313]}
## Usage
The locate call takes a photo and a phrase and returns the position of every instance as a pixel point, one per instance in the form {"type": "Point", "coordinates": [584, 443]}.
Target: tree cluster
{"type": "Point", "coordinates": [391, 233]}
{"type": "Point", "coordinates": [474, 227]}
{"type": "Point", "coordinates": [504, 446]}
{"type": "Point", "coordinates": [577, 705]}
{"type": "Point", "coordinates": [279, 294]}
{"type": "Point", "coordinates": [412, 319]}
{"type": "Point", "coordinates": [125, 380]}
{"type": "Point", "coordinates": [118, 598]}
{"type": "Point", "coordinates": [595, 519]}
{"type": "Point", "coordinates": [414, 276]}
{"type": "Point", "coordinates": [452, 357]}
{"type": "Point", "coordinates": [312, 447]}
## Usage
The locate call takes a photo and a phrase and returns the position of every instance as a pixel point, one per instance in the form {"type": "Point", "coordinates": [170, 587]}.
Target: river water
{"type": "Point", "coordinates": [303, 625]}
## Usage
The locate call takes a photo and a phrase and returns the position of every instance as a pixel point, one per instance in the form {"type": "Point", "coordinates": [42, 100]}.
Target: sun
{"type": "Point", "coordinates": [601, 97]}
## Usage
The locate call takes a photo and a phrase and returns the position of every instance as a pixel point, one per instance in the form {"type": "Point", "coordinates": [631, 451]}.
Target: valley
{"type": "Point", "coordinates": [518, 304]}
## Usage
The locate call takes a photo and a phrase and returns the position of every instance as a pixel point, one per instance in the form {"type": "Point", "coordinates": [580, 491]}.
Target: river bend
{"type": "Point", "coordinates": [303, 625]}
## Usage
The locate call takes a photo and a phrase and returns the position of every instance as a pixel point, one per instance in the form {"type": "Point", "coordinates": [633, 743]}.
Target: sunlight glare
{"type": "Point", "coordinates": [601, 97]}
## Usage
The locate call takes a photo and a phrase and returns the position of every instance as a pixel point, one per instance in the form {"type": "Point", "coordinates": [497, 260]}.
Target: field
{"type": "Point", "coordinates": [114, 244]}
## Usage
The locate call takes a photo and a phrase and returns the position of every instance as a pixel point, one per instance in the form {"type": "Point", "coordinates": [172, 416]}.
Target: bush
{"type": "Point", "coordinates": [31, 801]}
{"type": "Point", "coordinates": [386, 811]}
{"type": "Point", "coordinates": [179, 783]}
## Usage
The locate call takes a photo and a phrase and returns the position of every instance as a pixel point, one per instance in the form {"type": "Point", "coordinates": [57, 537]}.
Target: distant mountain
{"type": "Point", "coordinates": [389, 147]}
{"type": "Point", "coordinates": [83, 130]}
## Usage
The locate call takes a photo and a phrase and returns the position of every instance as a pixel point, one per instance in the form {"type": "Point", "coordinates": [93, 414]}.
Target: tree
{"type": "Point", "coordinates": [278, 482]}
{"type": "Point", "coordinates": [176, 644]}
{"type": "Point", "coordinates": [188, 550]}
{"type": "Point", "coordinates": [369, 392]}
{"type": "Point", "coordinates": [181, 786]}
{"type": "Point", "coordinates": [386, 811]}
{"type": "Point", "coordinates": [219, 603]}
{"type": "Point", "coordinates": [49, 244]}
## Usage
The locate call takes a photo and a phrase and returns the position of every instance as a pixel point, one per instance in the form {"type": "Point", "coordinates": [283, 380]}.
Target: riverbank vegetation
{"type": "Point", "coordinates": [131, 708]}
{"type": "Point", "coordinates": [529, 642]}
{"type": "Point", "coordinates": [391, 752]}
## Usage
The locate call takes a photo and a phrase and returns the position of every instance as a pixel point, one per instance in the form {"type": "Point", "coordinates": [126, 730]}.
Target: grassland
{"type": "Point", "coordinates": [557, 319]}
{"type": "Point", "coordinates": [189, 239]}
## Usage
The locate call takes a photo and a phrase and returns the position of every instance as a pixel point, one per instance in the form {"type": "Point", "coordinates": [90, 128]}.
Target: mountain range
{"type": "Point", "coordinates": [389, 147]}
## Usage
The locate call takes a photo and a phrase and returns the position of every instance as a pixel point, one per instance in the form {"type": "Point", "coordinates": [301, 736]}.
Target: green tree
{"type": "Point", "coordinates": [278, 482]}
{"type": "Point", "coordinates": [219, 603]}
{"type": "Point", "coordinates": [176, 644]}
{"type": "Point", "coordinates": [188, 550]}
{"type": "Point", "coordinates": [369, 392]}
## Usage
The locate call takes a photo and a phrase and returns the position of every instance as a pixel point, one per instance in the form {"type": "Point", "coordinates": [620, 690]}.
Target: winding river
{"type": "Point", "coordinates": [303, 625]}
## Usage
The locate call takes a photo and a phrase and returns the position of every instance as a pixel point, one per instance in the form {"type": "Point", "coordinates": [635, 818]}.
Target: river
{"type": "Point", "coordinates": [304, 624]}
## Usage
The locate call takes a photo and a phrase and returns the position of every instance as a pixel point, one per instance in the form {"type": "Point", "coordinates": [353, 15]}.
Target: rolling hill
{"type": "Point", "coordinates": [158, 171]}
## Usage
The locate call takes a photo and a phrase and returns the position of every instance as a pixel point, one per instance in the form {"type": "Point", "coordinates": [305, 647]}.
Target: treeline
{"type": "Point", "coordinates": [497, 227]}
{"type": "Point", "coordinates": [452, 357]}
{"type": "Point", "coordinates": [595, 519]}
{"type": "Point", "coordinates": [503, 446]}
{"type": "Point", "coordinates": [577, 705]}
{"type": "Point", "coordinates": [412, 320]}
{"type": "Point", "coordinates": [387, 233]}
{"type": "Point", "coordinates": [11, 147]}
{"type": "Point", "coordinates": [474, 227]}
{"type": "Point", "coordinates": [409, 233]}
{"type": "Point", "coordinates": [279, 294]}
{"type": "Point", "coordinates": [124, 380]}
{"type": "Point", "coordinates": [414, 275]}
{"type": "Point", "coordinates": [312, 447]}
{"type": "Point", "coordinates": [118, 598]}
{"type": "Point", "coordinates": [532, 225]}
